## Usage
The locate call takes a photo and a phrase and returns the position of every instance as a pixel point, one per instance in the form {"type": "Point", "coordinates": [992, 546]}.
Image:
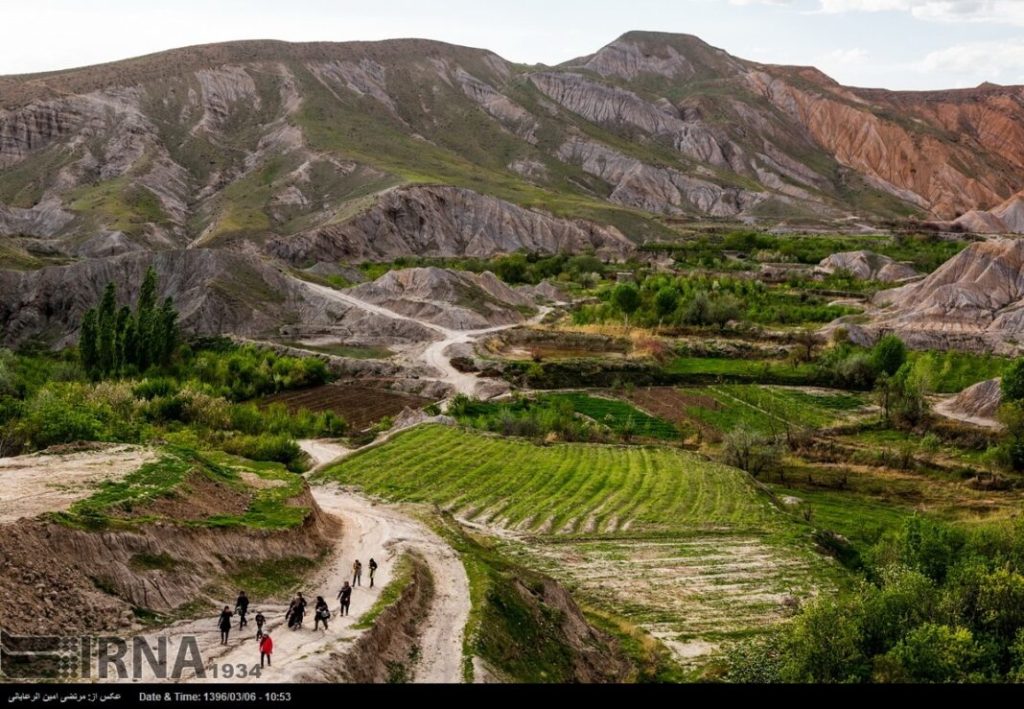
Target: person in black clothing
{"type": "Point", "coordinates": [225, 624]}
{"type": "Point", "coordinates": [373, 570]}
{"type": "Point", "coordinates": [296, 612]}
{"type": "Point", "coordinates": [345, 596]}
{"type": "Point", "coordinates": [322, 613]}
{"type": "Point", "coordinates": [241, 608]}
{"type": "Point", "coordinates": [260, 621]}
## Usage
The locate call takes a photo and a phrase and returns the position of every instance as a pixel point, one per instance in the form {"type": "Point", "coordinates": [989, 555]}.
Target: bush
{"type": "Point", "coordinates": [751, 451]}
{"type": "Point", "coordinates": [59, 416]}
{"type": "Point", "coordinates": [267, 447]}
{"type": "Point", "coordinates": [889, 354]}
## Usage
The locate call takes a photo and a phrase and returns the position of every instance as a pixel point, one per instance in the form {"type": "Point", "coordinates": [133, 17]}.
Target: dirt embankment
{"type": "Point", "coordinates": [387, 652]}
{"type": "Point", "coordinates": [74, 580]}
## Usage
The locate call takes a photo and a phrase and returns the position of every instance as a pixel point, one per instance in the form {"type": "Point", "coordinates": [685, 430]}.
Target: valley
{"type": "Point", "coordinates": [659, 365]}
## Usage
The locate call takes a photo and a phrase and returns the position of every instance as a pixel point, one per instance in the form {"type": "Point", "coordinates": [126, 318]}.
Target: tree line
{"type": "Point", "coordinates": [118, 341]}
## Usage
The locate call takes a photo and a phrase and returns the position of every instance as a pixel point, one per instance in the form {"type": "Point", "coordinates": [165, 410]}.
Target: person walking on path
{"type": "Point", "coordinates": [321, 613]}
{"type": "Point", "coordinates": [373, 570]}
{"type": "Point", "coordinates": [357, 573]}
{"type": "Point", "coordinates": [241, 608]}
{"type": "Point", "coordinates": [345, 597]}
{"type": "Point", "coordinates": [296, 611]}
{"type": "Point", "coordinates": [266, 649]}
{"type": "Point", "coordinates": [260, 621]}
{"type": "Point", "coordinates": [225, 624]}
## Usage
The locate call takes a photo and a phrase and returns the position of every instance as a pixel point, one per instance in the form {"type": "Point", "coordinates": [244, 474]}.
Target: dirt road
{"type": "Point", "coordinates": [52, 482]}
{"type": "Point", "coordinates": [370, 530]}
{"type": "Point", "coordinates": [433, 355]}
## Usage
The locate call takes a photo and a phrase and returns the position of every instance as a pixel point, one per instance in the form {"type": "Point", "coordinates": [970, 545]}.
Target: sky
{"type": "Point", "coordinates": [896, 44]}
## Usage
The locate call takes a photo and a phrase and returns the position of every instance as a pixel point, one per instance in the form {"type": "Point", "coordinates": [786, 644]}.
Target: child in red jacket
{"type": "Point", "coordinates": [266, 649]}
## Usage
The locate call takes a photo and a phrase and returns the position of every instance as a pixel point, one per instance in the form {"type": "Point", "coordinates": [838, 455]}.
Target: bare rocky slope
{"type": "Point", "coordinates": [318, 154]}
{"type": "Point", "coordinates": [975, 302]}
{"type": "Point", "coordinates": [981, 401]}
{"type": "Point", "coordinates": [216, 291]}
{"type": "Point", "coordinates": [91, 580]}
{"type": "Point", "coordinates": [461, 301]}
{"type": "Point", "coordinates": [868, 266]}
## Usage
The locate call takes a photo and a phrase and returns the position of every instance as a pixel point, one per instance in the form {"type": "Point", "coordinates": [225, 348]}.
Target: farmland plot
{"type": "Point", "coordinates": [771, 409]}
{"type": "Point", "coordinates": [360, 406]}
{"type": "Point", "coordinates": [691, 550]}
{"type": "Point", "coordinates": [619, 415]}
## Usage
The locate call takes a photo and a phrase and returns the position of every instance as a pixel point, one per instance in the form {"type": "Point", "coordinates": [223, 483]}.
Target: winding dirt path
{"type": "Point", "coordinates": [369, 530]}
{"type": "Point", "coordinates": [433, 355]}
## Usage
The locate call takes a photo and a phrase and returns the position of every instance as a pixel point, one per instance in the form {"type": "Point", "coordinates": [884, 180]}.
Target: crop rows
{"type": "Point", "coordinates": [618, 416]}
{"type": "Point", "coordinates": [771, 409]}
{"type": "Point", "coordinates": [558, 489]}
{"type": "Point", "coordinates": [360, 406]}
{"type": "Point", "coordinates": [692, 592]}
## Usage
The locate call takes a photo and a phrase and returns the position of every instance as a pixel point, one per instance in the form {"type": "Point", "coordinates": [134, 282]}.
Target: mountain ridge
{"type": "Point", "coordinates": [324, 152]}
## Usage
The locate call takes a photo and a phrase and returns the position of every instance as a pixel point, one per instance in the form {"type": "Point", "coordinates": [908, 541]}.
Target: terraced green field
{"type": "Point", "coordinates": [770, 409]}
{"type": "Point", "coordinates": [690, 550]}
{"type": "Point", "coordinates": [618, 416]}
{"type": "Point", "coordinates": [562, 489]}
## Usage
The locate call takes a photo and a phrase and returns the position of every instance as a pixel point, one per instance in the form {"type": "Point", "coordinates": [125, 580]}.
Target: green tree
{"type": "Point", "coordinates": [930, 653]}
{"type": "Point", "coordinates": [121, 357]}
{"type": "Point", "coordinates": [627, 299]}
{"type": "Point", "coordinates": [825, 643]}
{"type": "Point", "coordinates": [88, 343]}
{"type": "Point", "coordinates": [665, 302]}
{"type": "Point", "coordinates": [1013, 382]}
{"type": "Point", "coordinates": [107, 330]}
{"type": "Point", "coordinates": [169, 337]}
{"type": "Point", "coordinates": [889, 354]}
{"type": "Point", "coordinates": [901, 398]}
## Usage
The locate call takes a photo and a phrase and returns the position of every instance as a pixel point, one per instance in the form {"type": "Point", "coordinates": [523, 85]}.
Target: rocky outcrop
{"type": "Point", "coordinates": [439, 221]}
{"type": "Point", "coordinates": [457, 300]}
{"type": "Point", "coordinates": [975, 301]}
{"type": "Point", "coordinates": [979, 402]}
{"type": "Point", "coordinates": [867, 266]}
{"type": "Point", "coordinates": [216, 292]}
{"type": "Point", "coordinates": [637, 184]}
{"type": "Point", "coordinates": [616, 107]}
{"type": "Point", "coordinates": [1007, 218]}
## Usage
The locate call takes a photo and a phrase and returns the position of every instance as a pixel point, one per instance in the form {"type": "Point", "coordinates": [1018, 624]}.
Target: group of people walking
{"type": "Point", "coordinates": [295, 614]}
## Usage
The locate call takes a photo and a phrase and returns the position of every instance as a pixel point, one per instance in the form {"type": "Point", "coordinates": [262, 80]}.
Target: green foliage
{"type": "Point", "coordinates": [901, 398]}
{"type": "Point", "coordinates": [557, 487]}
{"type": "Point", "coordinates": [753, 452]}
{"type": "Point", "coordinates": [704, 300]}
{"type": "Point", "coordinates": [113, 343]}
{"type": "Point", "coordinates": [626, 298]}
{"type": "Point", "coordinates": [570, 417]}
{"type": "Point", "coordinates": [926, 251]}
{"type": "Point", "coordinates": [941, 606]}
{"type": "Point", "coordinates": [1013, 383]}
{"type": "Point", "coordinates": [666, 301]}
{"type": "Point", "coordinates": [190, 401]}
{"type": "Point", "coordinates": [889, 354]}
{"type": "Point", "coordinates": [951, 372]}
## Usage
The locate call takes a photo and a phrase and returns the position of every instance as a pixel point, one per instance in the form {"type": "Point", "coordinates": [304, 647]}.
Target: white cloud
{"type": "Point", "coordinates": [997, 61]}
{"type": "Point", "coordinates": [990, 11]}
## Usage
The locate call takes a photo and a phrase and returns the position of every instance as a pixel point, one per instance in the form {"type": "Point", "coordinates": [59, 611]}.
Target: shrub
{"type": "Point", "coordinates": [750, 451]}
{"type": "Point", "coordinates": [889, 354]}
{"type": "Point", "coordinates": [267, 447]}
{"type": "Point", "coordinates": [53, 417]}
